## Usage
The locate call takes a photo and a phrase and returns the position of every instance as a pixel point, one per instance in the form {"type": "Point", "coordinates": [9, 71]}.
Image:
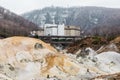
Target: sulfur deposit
{"type": "Point", "coordinates": [32, 58]}
{"type": "Point", "coordinates": [24, 58]}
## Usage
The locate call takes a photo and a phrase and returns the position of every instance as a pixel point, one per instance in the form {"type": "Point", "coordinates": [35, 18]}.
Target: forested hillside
{"type": "Point", "coordinates": [92, 20]}
{"type": "Point", "coordinates": [12, 24]}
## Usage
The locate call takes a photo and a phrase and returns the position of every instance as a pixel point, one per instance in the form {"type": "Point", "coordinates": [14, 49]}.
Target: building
{"type": "Point", "coordinates": [54, 30]}
{"type": "Point", "coordinates": [72, 31]}
{"type": "Point", "coordinates": [37, 33]}
{"type": "Point", "coordinates": [57, 30]}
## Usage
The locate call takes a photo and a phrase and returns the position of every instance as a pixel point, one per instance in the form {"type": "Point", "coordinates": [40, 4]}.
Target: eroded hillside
{"type": "Point", "coordinates": [34, 59]}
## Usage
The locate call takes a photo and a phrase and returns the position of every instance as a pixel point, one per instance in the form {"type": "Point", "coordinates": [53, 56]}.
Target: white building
{"type": "Point", "coordinates": [54, 30]}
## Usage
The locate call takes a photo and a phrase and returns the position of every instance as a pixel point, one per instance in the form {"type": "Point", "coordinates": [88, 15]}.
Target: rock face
{"type": "Point", "coordinates": [110, 61]}
{"type": "Point", "coordinates": [19, 54]}
{"type": "Point", "coordinates": [109, 47]}
{"type": "Point", "coordinates": [23, 58]}
{"type": "Point", "coordinates": [117, 42]}
{"type": "Point", "coordinates": [32, 58]}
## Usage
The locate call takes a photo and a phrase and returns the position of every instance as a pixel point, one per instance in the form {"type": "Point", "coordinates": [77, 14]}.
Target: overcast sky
{"type": "Point", "coordinates": [22, 6]}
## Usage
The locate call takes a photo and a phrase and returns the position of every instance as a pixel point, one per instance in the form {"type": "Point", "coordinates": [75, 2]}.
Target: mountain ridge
{"type": "Point", "coordinates": [88, 18]}
{"type": "Point", "coordinates": [13, 25]}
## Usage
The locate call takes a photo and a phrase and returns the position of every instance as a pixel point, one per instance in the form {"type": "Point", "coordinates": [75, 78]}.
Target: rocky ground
{"type": "Point", "coordinates": [24, 58]}
{"type": "Point", "coordinates": [93, 42]}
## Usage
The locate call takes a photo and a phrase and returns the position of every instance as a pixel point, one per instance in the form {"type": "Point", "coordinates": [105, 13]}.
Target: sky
{"type": "Point", "coordinates": [23, 6]}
